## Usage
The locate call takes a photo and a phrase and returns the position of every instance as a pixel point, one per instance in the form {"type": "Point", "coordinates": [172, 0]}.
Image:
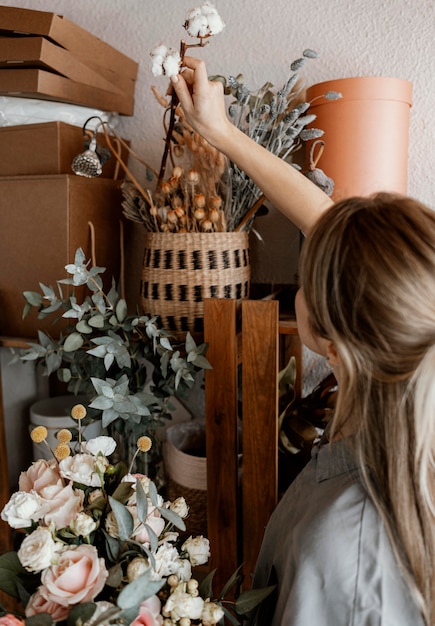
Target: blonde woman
{"type": "Point", "coordinates": [352, 542]}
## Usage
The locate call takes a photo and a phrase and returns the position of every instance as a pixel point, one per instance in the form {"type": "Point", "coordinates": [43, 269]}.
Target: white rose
{"type": "Point", "coordinates": [136, 568]}
{"type": "Point", "coordinates": [166, 560]}
{"type": "Point", "coordinates": [83, 525]}
{"type": "Point", "coordinates": [184, 571]}
{"type": "Point", "coordinates": [198, 549]}
{"type": "Point", "coordinates": [181, 604]}
{"type": "Point", "coordinates": [22, 509]}
{"type": "Point", "coordinates": [38, 550]}
{"type": "Point", "coordinates": [212, 613]}
{"type": "Point", "coordinates": [100, 445]}
{"type": "Point", "coordinates": [169, 536]}
{"type": "Point", "coordinates": [180, 507]}
{"type": "Point", "coordinates": [80, 469]}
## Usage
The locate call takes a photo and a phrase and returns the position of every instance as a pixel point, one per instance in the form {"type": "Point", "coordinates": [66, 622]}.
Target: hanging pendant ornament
{"type": "Point", "coordinates": [87, 163]}
{"type": "Point", "coordinates": [316, 175]}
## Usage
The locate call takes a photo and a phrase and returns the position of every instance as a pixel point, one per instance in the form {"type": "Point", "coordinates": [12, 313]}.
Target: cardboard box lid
{"type": "Point", "coordinates": [38, 52]}
{"type": "Point", "coordinates": [82, 44]}
{"type": "Point", "coordinates": [34, 83]}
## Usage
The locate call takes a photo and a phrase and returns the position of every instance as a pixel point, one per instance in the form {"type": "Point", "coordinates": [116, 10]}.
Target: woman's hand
{"type": "Point", "coordinates": [202, 101]}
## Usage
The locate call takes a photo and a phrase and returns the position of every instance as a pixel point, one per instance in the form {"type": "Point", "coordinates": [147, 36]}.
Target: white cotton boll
{"type": "Point", "coordinates": [157, 67]}
{"type": "Point", "coordinates": [215, 24]}
{"type": "Point", "coordinates": [198, 26]}
{"type": "Point", "coordinates": [171, 64]}
{"type": "Point", "coordinates": [193, 13]}
{"type": "Point", "coordinates": [159, 50]}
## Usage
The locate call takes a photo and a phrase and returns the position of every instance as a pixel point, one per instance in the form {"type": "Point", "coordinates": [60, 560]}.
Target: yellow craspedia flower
{"type": "Point", "coordinates": [61, 451]}
{"type": "Point", "coordinates": [39, 434]}
{"type": "Point", "coordinates": [144, 444]}
{"type": "Point", "coordinates": [64, 435]}
{"type": "Point", "coordinates": [78, 412]}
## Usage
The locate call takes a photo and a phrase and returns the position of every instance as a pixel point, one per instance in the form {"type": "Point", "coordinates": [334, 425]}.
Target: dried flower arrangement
{"type": "Point", "coordinates": [203, 191]}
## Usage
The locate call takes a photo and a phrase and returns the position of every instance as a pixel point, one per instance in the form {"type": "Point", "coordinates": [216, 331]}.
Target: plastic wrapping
{"type": "Point", "coordinates": [16, 111]}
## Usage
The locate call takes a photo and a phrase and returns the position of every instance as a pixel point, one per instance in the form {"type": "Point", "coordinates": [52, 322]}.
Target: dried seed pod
{"type": "Point", "coordinates": [179, 211]}
{"type": "Point", "coordinates": [172, 217]}
{"type": "Point", "coordinates": [214, 215]}
{"type": "Point", "coordinates": [206, 226]}
{"type": "Point", "coordinates": [215, 202]}
{"type": "Point", "coordinates": [199, 214]}
{"type": "Point", "coordinates": [199, 200]}
{"type": "Point", "coordinates": [192, 177]}
{"type": "Point", "coordinates": [166, 187]}
{"type": "Point", "coordinates": [177, 172]}
{"type": "Point", "coordinates": [178, 151]}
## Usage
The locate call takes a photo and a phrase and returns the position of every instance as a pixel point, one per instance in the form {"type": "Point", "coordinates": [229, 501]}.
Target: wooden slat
{"type": "Point", "coordinates": [259, 423]}
{"type": "Point", "coordinates": [221, 437]}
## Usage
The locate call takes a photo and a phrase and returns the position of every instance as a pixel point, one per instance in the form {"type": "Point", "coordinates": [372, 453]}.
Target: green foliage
{"type": "Point", "coordinates": [275, 119]}
{"type": "Point", "coordinates": [109, 355]}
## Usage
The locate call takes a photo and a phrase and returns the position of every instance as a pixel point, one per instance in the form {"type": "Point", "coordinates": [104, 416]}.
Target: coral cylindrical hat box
{"type": "Point", "coordinates": [366, 133]}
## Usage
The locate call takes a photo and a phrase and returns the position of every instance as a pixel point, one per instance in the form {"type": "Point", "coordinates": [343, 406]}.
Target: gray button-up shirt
{"type": "Point", "coordinates": [326, 548]}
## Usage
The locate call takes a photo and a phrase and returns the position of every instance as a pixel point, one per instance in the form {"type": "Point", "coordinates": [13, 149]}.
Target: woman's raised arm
{"type": "Point", "coordinates": [286, 188]}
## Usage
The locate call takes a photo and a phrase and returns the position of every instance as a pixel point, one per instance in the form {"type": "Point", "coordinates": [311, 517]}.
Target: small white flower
{"type": "Point", "coordinates": [80, 469]}
{"type": "Point", "coordinates": [100, 445]}
{"type": "Point", "coordinates": [166, 560]}
{"type": "Point", "coordinates": [212, 613]}
{"type": "Point", "coordinates": [83, 525]}
{"type": "Point", "coordinates": [180, 507]}
{"type": "Point", "coordinates": [198, 549]}
{"type": "Point", "coordinates": [38, 550]}
{"type": "Point", "coordinates": [184, 571]}
{"type": "Point", "coordinates": [181, 604]}
{"type": "Point", "coordinates": [136, 568]}
{"type": "Point", "coordinates": [22, 509]}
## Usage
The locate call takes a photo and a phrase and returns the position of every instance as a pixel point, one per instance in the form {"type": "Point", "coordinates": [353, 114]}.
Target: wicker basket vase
{"type": "Point", "coordinates": [180, 270]}
{"type": "Point", "coordinates": [186, 471]}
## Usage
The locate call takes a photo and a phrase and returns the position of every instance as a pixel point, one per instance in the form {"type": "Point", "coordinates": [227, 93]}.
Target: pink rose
{"type": "Point", "coordinates": [59, 504]}
{"type": "Point", "coordinates": [62, 505]}
{"type": "Point", "coordinates": [38, 603]}
{"type": "Point", "coordinates": [40, 474]}
{"type": "Point", "coordinates": [149, 613]}
{"type": "Point", "coordinates": [78, 576]}
{"type": "Point", "coordinates": [10, 620]}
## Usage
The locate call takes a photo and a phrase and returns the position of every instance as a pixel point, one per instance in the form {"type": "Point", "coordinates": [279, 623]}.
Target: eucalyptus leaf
{"type": "Point", "coordinates": [73, 342]}
{"type": "Point", "coordinates": [141, 502]}
{"type": "Point", "coordinates": [248, 600]}
{"type": "Point", "coordinates": [41, 619]}
{"type": "Point", "coordinates": [139, 590]}
{"type": "Point", "coordinates": [81, 613]}
{"type": "Point", "coordinates": [124, 519]}
{"type": "Point", "coordinates": [173, 518]}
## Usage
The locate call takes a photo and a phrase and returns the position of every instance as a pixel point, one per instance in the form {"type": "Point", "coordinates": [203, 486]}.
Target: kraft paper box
{"type": "Point", "coordinates": [43, 220]}
{"type": "Point", "coordinates": [36, 83]}
{"type": "Point", "coordinates": [46, 148]}
{"type": "Point", "coordinates": [83, 45]}
{"type": "Point", "coordinates": [27, 52]}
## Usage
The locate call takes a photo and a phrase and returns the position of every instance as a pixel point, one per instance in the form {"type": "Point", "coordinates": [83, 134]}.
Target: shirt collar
{"type": "Point", "coordinates": [333, 459]}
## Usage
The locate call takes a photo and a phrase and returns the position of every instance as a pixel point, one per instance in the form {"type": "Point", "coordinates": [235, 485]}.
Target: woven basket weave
{"type": "Point", "coordinates": [180, 270]}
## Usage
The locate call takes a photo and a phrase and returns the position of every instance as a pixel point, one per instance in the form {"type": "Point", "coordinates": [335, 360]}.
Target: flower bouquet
{"type": "Point", "coordinates": [98, 545]}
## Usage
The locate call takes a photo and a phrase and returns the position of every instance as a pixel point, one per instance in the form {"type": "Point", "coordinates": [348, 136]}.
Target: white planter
{"type": "Point", "coordinates": [54, 414]}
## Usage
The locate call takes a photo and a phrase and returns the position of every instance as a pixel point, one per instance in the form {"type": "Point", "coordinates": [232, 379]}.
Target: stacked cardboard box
{"type": "Point", "coordinates": [44, 55]}
{"type": "Point", "coordinates": [46, 212]}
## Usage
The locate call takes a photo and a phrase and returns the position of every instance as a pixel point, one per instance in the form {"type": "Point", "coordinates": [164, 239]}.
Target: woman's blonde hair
{"type": "Point", "coordinates": [368, 274]}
